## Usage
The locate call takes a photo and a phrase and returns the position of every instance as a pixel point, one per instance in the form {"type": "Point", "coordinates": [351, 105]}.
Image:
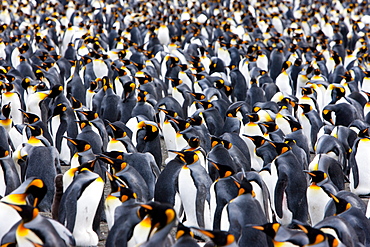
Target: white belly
{"type": "Point", "coordinates": [188, 192]}
{"type": "Point", "coordinates": [86, 208]}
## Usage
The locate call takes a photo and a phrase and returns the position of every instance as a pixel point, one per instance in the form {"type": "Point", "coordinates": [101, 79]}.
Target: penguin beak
{"type": "Point", "coordinates": [70, 139]}
{"type": "Point", "coordinates": [261, 228]}
{"type": "Point", "coordinates": [309, 173]}
{"type": "Point", "coordinates": [207, 233]}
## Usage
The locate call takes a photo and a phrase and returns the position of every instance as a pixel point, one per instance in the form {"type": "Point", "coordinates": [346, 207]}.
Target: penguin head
{"type": "Point", "coordinates": [326, 114]}
{"type": "Point", "coordinates": [217, 65]}
{"type": "Point", "coordinates": [270, 126]}
{"type": "Point", "coordinates": [33, 131]}
{"type": "Point", "coordinates": [286, 65]}
{"type": "Point", "coordinates": [169, 112]}
{"type": "Point", "coordinates": [114, 154]}
{"type": "Point", "coordinates": [55, 91]}
{"type": "Point", "coordinates": [289, 102]}
{"type": "Point", "coordinates": [81, 145]}
{"type": "Point", "coordinates": [106, 83]}
{"type": "Point", "coordinates": [198, 96]}
{"type": "Point", "coordinates": [257, 140]}
{"type": "Point", "coordinates": [151, 129]}
{"type": "Point", "coordinates": [175, 82]}
{"type": "Point", "coordinates": [220, 238]}
{"type": "Point", "coordinates": [364, 133]}
{"type": "Point", "coordinates": [142, 77]}
{"type": "Point", "coordinates": [270, 229]}
{"type": "Point", "coordinates": [88, 165]}
{"type": "Point", "coordinates": [205, 104]}
{"type": "Point", "coordinates": [4, 152]}
{"type": "Point", "coordinates": [280, 147]}
{"type": "Point", "coordinates": [305, 107]}
{"type": "Point", "coordinates": [31, 186]}
{"type": "Point", "coordinates": [27, 212]}
{"type": "Point", "coordinates": [216, 140]}
{"type": "Point", "coordinates": [317, 176]}
{"type": "Point", "coordinates": [341, 205]}
{"type": "Point", "coordinates": [26, 82]}
{"type": "Point", "coordinates": [59, 109]}
{"type": "Point", "coordinates": [253, 117]}
{"type": "Point", "coordinates": [141, 96]}
{"type": "Point", "coordinates": [39, 74]}
{"type": "Point", "coordinates": [367, 94]}
{"type": "Point", "coordinates": [195, 120]}
{"type": "Point", "coordinates": [161, 215]}
{"type": "Point", "coordinates": [90, 115]}
{"type": "Point", "coordinates": [188, 157]}
{"type": "Point", "coordinates": [116, 165]}
{"type": "Point", "coordinates": [294, 125]}
{"type": "Point", "coordinates": [76, 104]}
{"type": "Point", "coordinates": [115, 183]}
{"type": "Point", "coordinates": [128, 88]}
{"type": "Point", "coordinates": [31, 118]}
{"type": "Point", "coordinates": [245, 187]}
{"type": "Point", "coordinates": [337, 93]}
{"type": "Point", "coordinates": [193, 142]}
{"type": "Point", "coordinates": [83, 124]}
{"type": "Point", "coordinates": [127, 194]}
{"type": "Point", "coordinates": [183, 231]}
{"type": "Point", "coordinates": [9, 87]}
{"type": "Point", "coordinates": [224, 171]}
{"type": "Point", "coordinates": [117, 131]}
{"type": "Point", "coordinates": [93, 85]}
{"type": "Point", "coordinates": [5, 110]}
{"type": "Point", "coordinates": [315, 236]}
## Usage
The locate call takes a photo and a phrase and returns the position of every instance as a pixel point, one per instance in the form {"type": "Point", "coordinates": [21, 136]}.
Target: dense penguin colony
{"type": "Point", "coordinates": [263, 108]}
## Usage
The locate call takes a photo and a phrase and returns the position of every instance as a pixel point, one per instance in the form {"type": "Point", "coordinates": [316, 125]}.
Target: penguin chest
{"type": "Point", "coordinates": [86, 208]}
{"type": "Point", "coordinates": [11, 216]}
{"type": "Point", "coordinates": [316, 200]}
{"type": "Point", "coordinates": [306, 126]}
{"type": "Point", "coordinates": [176, 94]}
{"type": "Point", "coordinates": [283, 83]}
{"type": "Point", "coordinates": [141, 232]}
{"type": "Point", "coordinates": [2, 181]}
{"type": "Point", "coordinates": [115, 145]}
{"type": "Point", "coordinates": [169, 135]}
{"type": "Point", "coordinates": [65, 153]}
{"type": "Point", "coordinates": [287, 214]}
{"type": "Point", "coordinates": [75, 161]}
{"type": "Point", "coordinates": [366, 108]}
{"type": "Point", "coordinates": [363, 166]}
{"type": "Point", "coordinates": [13, 98]}
{"type": "Point", "coordinates": [188, 194]}
{"type": "Point", "coordinates": [26, 237]}
{"type": "Point", "coordinates": [110, 205]}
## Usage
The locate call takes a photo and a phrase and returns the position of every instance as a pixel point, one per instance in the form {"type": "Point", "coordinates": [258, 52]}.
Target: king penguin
{"type": "Point", "coordinates": [358, 164]}
{"type": "Point", "coordinates": [79, 205]}
{"type": "Point", "coordinates": [31, 186]}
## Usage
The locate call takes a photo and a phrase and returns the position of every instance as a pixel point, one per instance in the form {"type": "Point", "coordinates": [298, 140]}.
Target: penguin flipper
{"type": "Point", "coordinates": [281, 185]}
{"type": "Point", "coordinates": [201, 197]}
{"type": "Point", "coordinates": [353, 166]}
{"type": "Point", "coordinates": [254, 176]}
{"type": "Point", "coordinates": [59, 136]}
{"type": "Point", "coordinates": [10, 236]}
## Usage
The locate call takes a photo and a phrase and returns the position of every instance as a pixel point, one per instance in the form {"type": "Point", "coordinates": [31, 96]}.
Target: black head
{"type": "Point", "coordinates": [317, 176]}
{"type": "Point", "coordinates": [341, 204]}
{"type": "Point", "coordinates": [270, 229]}
{"type": "Point", "coordinates": [188, 157]}
{"type": "Point", "coordinates": [220, 238]}
{"type": "Point", "coordinates": [31, 118]}
{"type": "Point", "coordinates": [81, 145]}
